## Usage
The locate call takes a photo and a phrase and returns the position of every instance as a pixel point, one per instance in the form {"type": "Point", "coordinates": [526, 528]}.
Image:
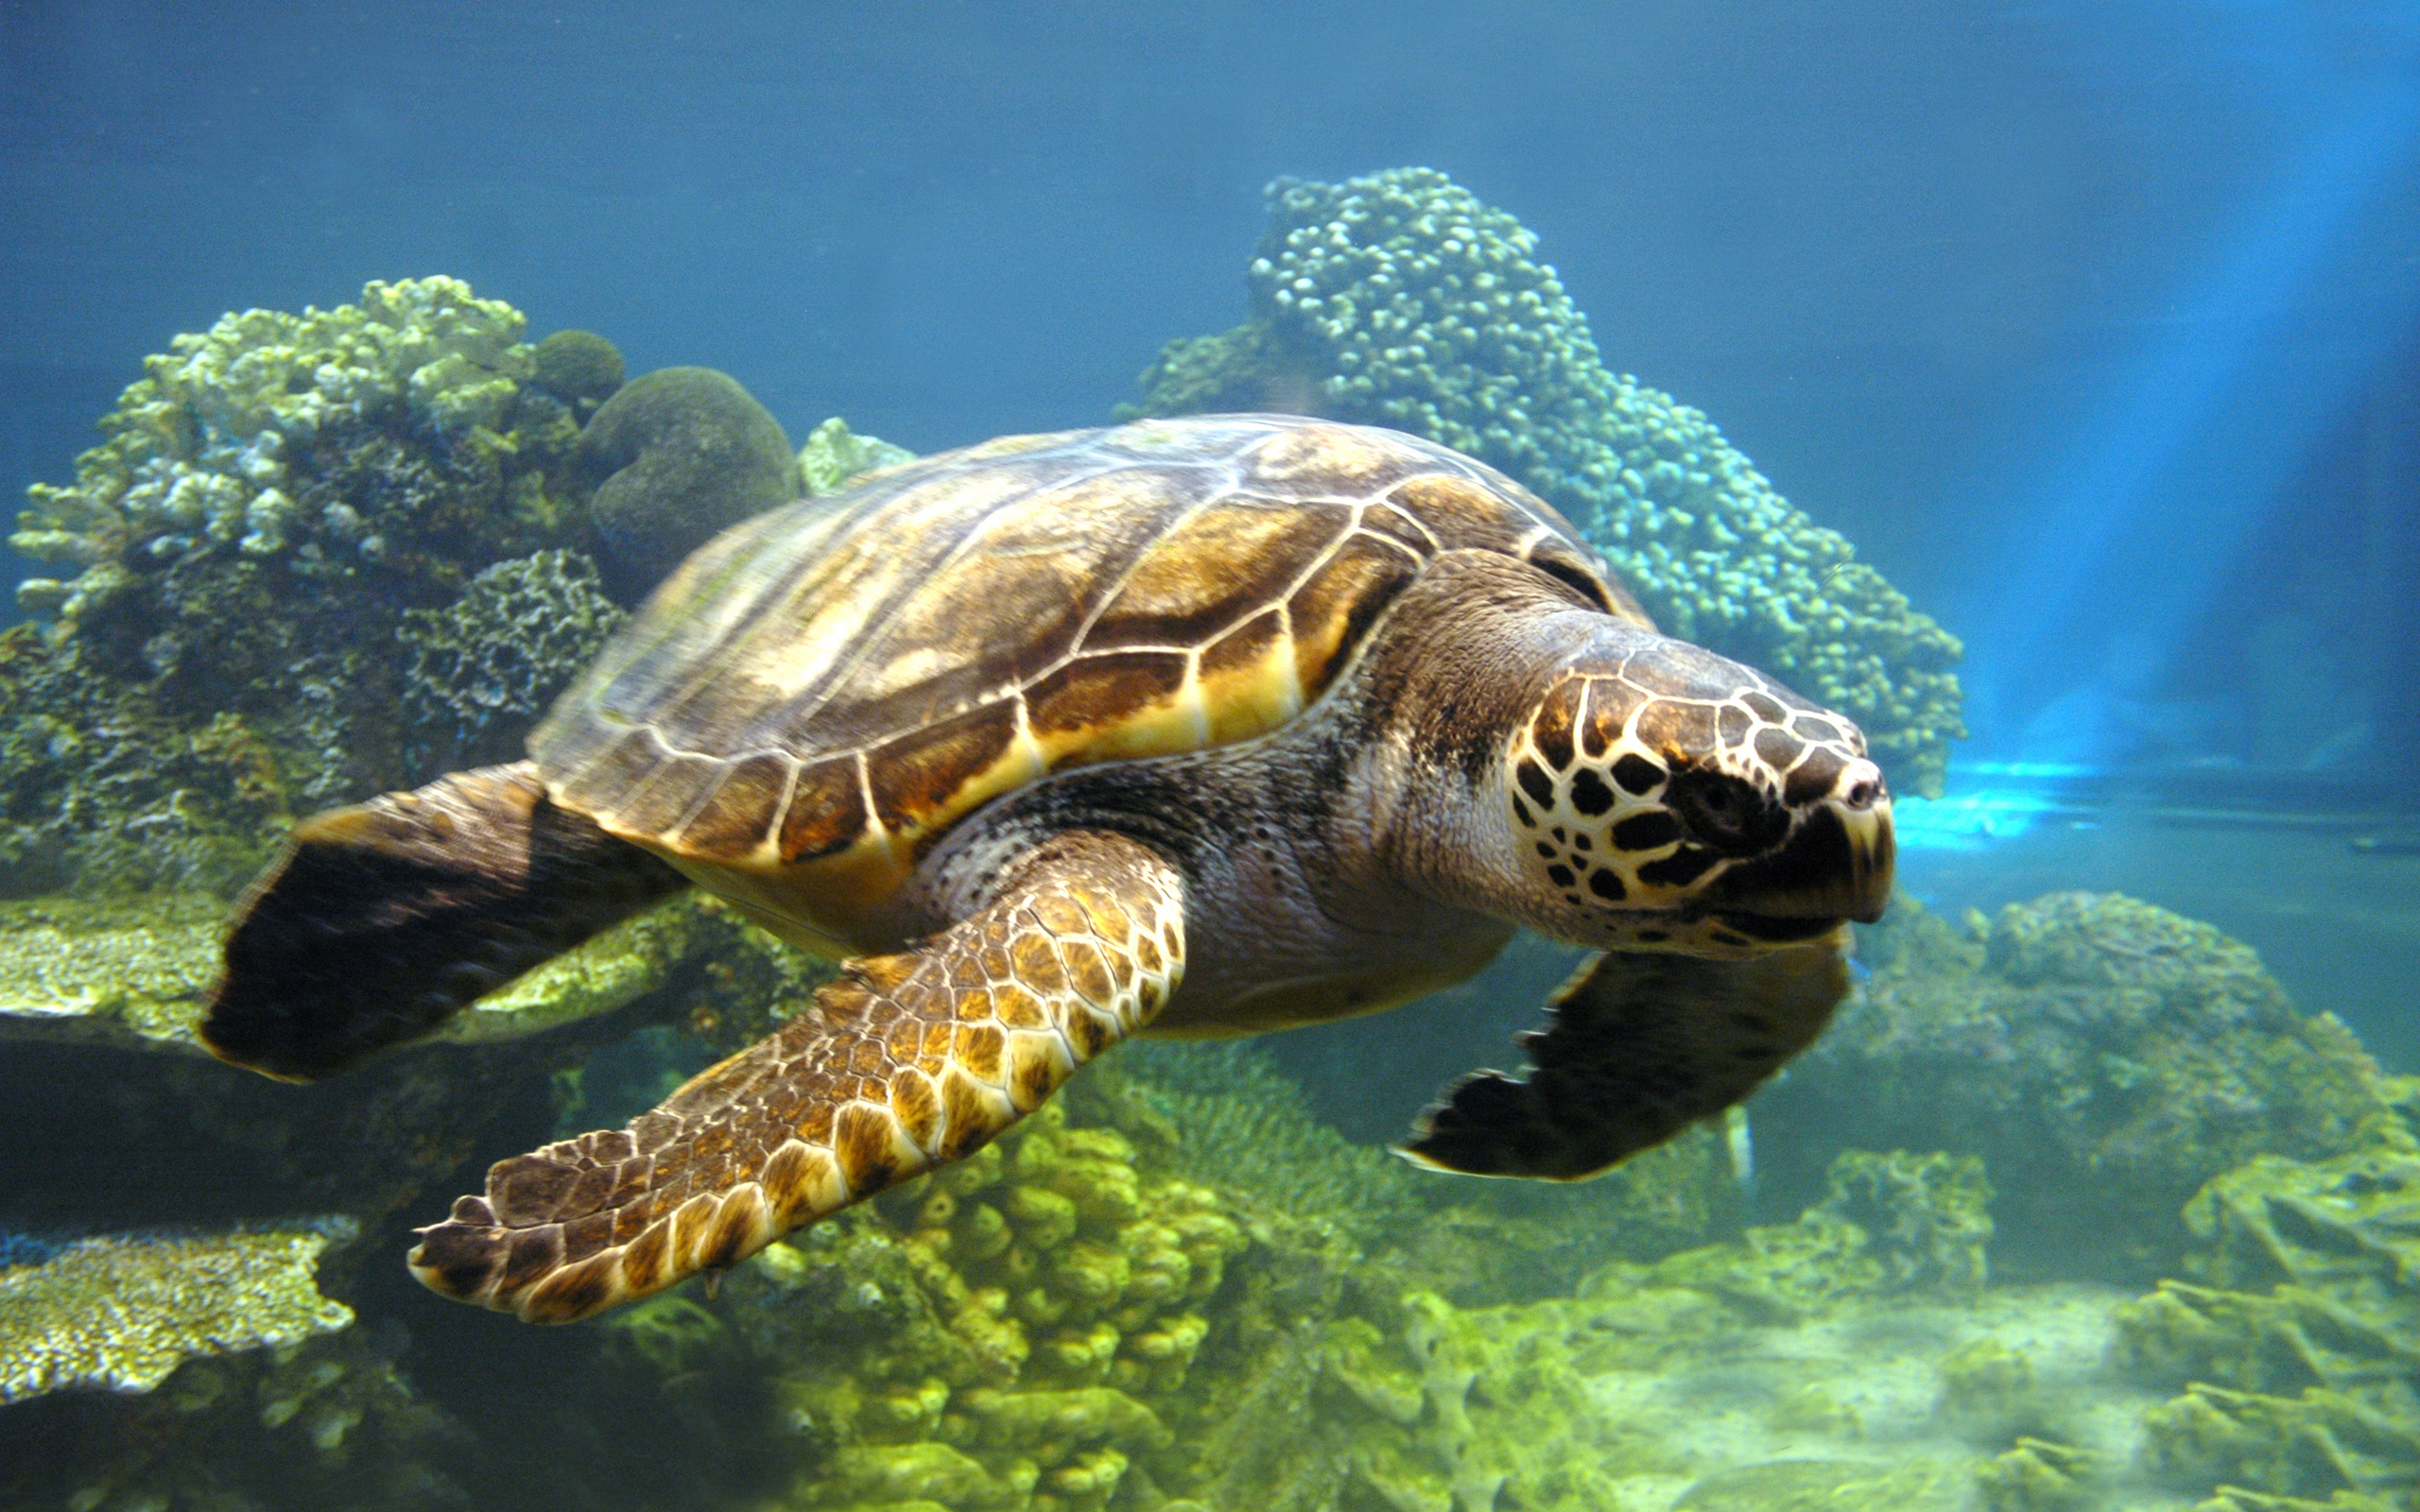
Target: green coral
{"type": "Point", "coordinates": [1014, 1330]}
{"type": "Point", "coordinates": [677, 455]}
{"type": "Point", "coordinates": [1894, 1223]}
{"type": "Point", "coordinates": [266, 504]}
{"type": "Point", "coordinates": [484, 668]}
{"type": "Point", "coordinates": [834, 457]}
{"type": "Point", "coordinates": [1401, 299]}
{"type": "Point", "coordinates": [2103, 1055]}
{"type": "Point", "coordinates": [121, 1313]}
{"type": "Point", "coordinates": [580, 368]}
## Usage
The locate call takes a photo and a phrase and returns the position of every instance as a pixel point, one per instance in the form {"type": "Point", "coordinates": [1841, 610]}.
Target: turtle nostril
{"type": "Point", "coordinates": [1865, 786]}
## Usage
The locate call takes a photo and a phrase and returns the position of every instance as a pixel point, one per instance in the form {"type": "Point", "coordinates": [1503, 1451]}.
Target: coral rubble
{"type": "Point", "coordinates": [1401, 299]}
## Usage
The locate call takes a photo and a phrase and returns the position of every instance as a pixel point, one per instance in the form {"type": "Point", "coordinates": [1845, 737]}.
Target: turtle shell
{"type": "Point", "coordinates": [819, 689]}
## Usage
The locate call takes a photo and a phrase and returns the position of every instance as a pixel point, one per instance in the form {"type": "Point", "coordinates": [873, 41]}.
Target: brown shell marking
{"type": "Point", "coordinates": [821, 689]}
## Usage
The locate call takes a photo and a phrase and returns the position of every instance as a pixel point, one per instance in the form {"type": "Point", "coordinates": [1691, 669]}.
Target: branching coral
{"type": "Point", "coordinates": [266, 505]}
{"type": "Point", "coordinates": [1401, 299]}
{"type": "Point", "coordinates": [121, 1314]}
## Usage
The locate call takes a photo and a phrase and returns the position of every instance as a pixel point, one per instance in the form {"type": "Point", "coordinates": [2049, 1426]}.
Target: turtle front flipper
{"type": "Point", "coordinates": [1637, 1047]}
{"type": "Point", "coordinates": [385, 918]}
{"type": "Point", "coordinates": [905, 1062]}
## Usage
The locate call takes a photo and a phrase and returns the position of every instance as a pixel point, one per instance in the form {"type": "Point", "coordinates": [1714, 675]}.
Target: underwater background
{"type": "Point", "coordinates": [2038, 384]}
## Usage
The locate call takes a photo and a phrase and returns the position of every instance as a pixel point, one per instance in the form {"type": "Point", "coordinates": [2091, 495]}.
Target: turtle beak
{"type": "Point", "coordinates": [1835, 862]}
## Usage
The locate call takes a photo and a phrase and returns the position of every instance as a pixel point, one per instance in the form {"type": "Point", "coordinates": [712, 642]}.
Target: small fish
{"type": "Point", "coordinates": [2386, 845]}
{"type": "Point", "coordinates": [1743, 1149]}
{"type": "Point", "coordinates": [1832, 574]}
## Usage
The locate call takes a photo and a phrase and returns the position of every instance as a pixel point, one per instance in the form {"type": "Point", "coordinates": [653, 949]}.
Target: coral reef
{"type": "Point", "coordinates": [2300, 1358]}
{"type": "Point", "coordinates": [331, 1422]}
{"type": "Point", "coordinates": [834, 457]}
{"type": "Point", "coordinates": [482, 669]}
{"type": "Point", "coordinates": [129, 972]}
{"type": "Point", "coordinates": [266, 504]}
{"type": "Point", "coordinates": [1401, 299]}
{"type": "Point", "coordinates": [677, 455]}
{"type": "Point", "coordinates": [1014, 1330]}
{"type": "Point", "coordinates": [1890, 1223]}
{"type": "Point", "coordinates": [2103, 1057]}
{"type": "Point", "coordinates": [121, 1313]}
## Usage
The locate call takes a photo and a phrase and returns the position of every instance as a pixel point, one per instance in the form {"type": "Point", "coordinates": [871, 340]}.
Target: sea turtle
{"type": "Point", "coordinates": [1199, 727]}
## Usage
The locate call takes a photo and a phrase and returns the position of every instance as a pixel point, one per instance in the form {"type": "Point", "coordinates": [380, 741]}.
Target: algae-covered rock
{"type": "Point", "coordinates": [119, 1313]}
{"type": "Point", "coordinates": [236, 556]}
{"type": "Point", "coordinates": [481, 670]}
{"type": "Point", "coordinates": [1401, 299]}
{"type": "Point", "coordinates": [2103, 1055]}
{"type": "Point", "coordinates": [677, 455]}
{"type": "Point", "coordinates": [832, 457]}
{"type": "Point", "coordinates": [580, 368]}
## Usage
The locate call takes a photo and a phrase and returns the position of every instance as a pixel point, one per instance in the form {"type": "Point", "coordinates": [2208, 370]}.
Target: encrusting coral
{"type": "Point", "coordinates": [1401, 299]}
{"type": "Point", "coordinates": [483, 668]}
{"type": "Point", "coordinates": [1014, 1332]}
{"type": "Point", "coordinates": [121, 1313]}
{"type": "Point", "coordinates": [2103, 1057]}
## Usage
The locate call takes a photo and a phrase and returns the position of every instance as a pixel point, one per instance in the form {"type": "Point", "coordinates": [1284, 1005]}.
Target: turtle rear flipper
{"type": "Point", "coordinates": [1637, 1047]}
{"type": "Point", "coordinates": [385, 918]}
{"type": "Point", "coordinates": [906, 1062]}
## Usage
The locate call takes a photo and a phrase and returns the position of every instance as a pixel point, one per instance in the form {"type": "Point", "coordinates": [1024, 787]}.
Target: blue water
{"type": "Point", "coordinates": [2093, 324]}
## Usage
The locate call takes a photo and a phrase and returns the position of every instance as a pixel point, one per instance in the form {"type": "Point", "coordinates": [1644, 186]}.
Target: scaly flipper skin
{"type": "Point", "coordinates": [908, 1061]}
{"type": "Point", "coordinates": [1637, 1047]}
{"type": "Point", "coordinates": [386, 918]}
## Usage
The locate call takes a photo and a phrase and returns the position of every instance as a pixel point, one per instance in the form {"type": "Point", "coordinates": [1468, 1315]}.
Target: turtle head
{"type": "Point", "coordinates": [1663, 798]}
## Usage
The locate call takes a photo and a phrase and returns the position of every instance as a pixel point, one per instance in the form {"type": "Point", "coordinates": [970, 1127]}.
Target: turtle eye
{"type": "Point", "coordinates": [1725, 813]}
